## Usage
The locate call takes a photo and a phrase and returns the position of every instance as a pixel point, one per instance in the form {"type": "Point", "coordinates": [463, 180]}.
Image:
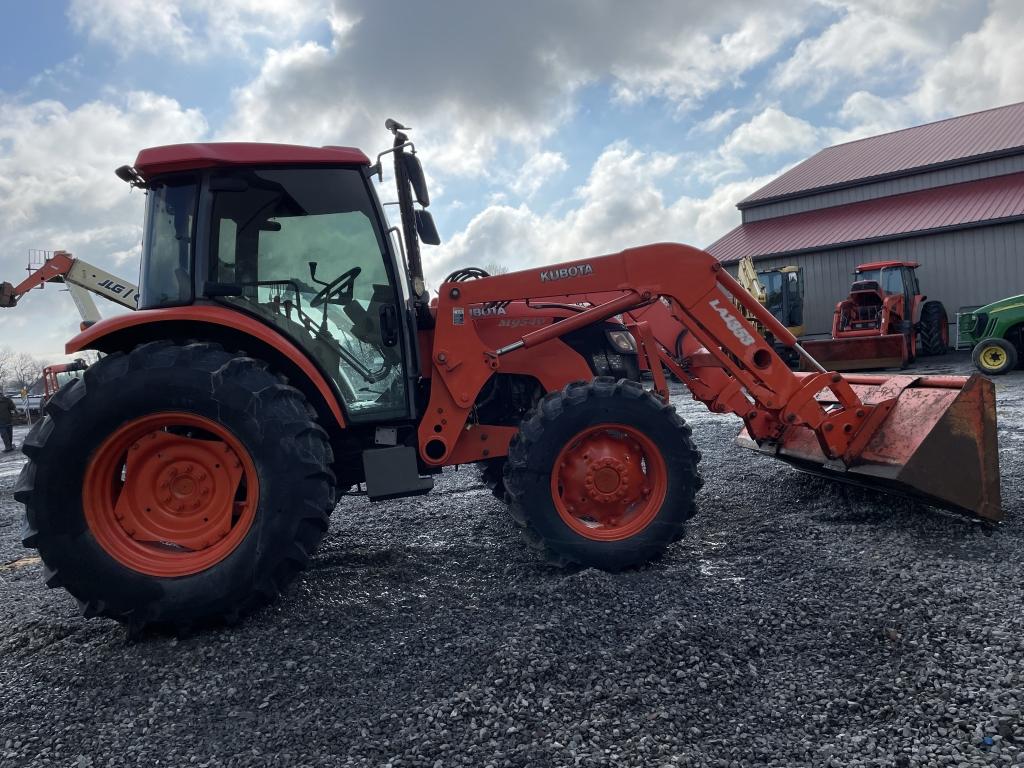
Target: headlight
{"type": "Point", "coordinates": [622, 341]}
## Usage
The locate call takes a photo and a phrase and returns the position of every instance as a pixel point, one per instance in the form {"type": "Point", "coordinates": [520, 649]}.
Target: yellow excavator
{"type": "Point", "coordinates": [780, 290]}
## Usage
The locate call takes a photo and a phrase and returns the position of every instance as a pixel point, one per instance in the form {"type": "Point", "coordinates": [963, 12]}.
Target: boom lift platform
{"type": "Point", "coordinates": [81, 278]}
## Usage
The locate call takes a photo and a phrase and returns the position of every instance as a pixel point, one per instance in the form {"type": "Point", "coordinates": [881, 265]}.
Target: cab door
{"type": "Point", "coordinates": [302, 249]}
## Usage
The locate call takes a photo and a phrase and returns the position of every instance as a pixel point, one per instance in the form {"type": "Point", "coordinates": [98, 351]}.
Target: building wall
{"type": "Point", "coordinates": [869, 191]}
{"type": "Point", "coordinates": [968, 267]}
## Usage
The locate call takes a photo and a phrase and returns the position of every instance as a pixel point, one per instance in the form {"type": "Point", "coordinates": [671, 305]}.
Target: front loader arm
{"type": "Point", "coordinates": [746, 376]}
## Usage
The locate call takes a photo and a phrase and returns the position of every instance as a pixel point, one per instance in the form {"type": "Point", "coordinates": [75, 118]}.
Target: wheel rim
{"type": "Point", "coordinates": [170, 494]}
{"type": "Point", "coordinates": [609, 482]}
{"type": "Point", "coordinates": [992, 358]}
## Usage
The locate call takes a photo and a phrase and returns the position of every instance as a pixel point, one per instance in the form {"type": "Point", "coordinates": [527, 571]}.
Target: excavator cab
{"type": "Point", "coordinates": [784, 296]}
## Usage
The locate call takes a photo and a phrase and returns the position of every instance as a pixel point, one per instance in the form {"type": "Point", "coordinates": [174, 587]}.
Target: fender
{"type": "Point", "coordinates": [103, 336]}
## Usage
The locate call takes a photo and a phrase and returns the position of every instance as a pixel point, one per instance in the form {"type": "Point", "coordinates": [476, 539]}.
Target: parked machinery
{"type": "Point", "coordinates": [81, 279]}
{"type": "Point", "coordinates": [995, 332]}
{"type": "Point", "coordinates": [881, 321]}
{"type": "Point", "coordinates": [56, 376]}
{"type": "Point", "coordinates": [285, 351]}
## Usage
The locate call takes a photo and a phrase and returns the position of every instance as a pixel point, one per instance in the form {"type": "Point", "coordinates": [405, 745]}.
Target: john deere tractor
{"type": "Point", "coordinates": [996, 333]}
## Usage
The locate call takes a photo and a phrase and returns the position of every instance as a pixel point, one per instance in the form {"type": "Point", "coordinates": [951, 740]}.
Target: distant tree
{"type": "Point", "coordinates": [26, 370]}
{"type": "Point", "coordinates": [6, 365]}
{"type": "Point", "coordinates": [494, 268]}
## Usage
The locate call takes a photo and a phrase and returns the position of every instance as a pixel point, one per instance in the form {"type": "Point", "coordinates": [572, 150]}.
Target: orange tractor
{"type": "Point", "coordinates": [286, 350]}
{"type": "Point", "coordinates": [882, 320]}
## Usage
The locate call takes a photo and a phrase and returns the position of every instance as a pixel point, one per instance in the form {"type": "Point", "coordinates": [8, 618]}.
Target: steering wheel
{"type": "Point", "coordinates": [342, 285]}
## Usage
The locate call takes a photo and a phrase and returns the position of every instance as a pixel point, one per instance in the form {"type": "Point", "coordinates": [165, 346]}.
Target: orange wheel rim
{"type": "Point", "coordinates": [170, 494]}
{"type": "Point", "coordinates": [609, 482]}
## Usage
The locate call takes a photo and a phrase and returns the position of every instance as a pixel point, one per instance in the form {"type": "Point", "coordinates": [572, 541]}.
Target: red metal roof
{"type": "Point", "coordinates": [999, 197]}
{"type": "Point", "coordinates": [990, 132]}
{"type": "Point", "coordinates": [187, 157]}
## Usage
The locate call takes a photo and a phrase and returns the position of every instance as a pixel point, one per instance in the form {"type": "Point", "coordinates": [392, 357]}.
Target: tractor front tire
{"type": "Point", "coordinates": [994, 357]}
{"type": "Point", "coordinates": [492, 473]}
{"type": "Point", "coordinates": [176, 486]}
{"type": "Point", "coordinates": [602, 474]}
{"type": "Point", "coordinates": [933, 329]}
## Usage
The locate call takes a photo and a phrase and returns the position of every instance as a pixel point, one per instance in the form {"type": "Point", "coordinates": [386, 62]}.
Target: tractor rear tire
{"type": "Point", "coordinates": [153, 445]}
{"type": "Point", "coordinates": [602, 474]}
{"type": "Point", "coordinates": [933, 329]}
{"type": "Point", "coordinates": [994, 357]}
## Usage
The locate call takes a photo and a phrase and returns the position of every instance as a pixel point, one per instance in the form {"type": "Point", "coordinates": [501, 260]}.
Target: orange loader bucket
{"type": "Point", "coordinates": [860, 353]}
{"type": "Point", "coordinates": [932, 438]}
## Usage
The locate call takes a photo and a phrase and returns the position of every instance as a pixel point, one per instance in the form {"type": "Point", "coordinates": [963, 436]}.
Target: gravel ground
{"type": "Point", "coordinates": [799, 624]}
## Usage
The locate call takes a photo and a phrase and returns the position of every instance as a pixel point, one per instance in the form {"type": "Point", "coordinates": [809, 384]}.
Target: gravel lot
{"type": "Point", "coordinates": [799, 624]}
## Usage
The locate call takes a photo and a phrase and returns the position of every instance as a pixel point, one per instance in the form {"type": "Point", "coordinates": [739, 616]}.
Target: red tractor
{"type": "Point", "coordinates": [56, 376]}
{"type": "Point", "coordinates": [286, 350]}
{"type": "Point", "coordinates": [882, 320]}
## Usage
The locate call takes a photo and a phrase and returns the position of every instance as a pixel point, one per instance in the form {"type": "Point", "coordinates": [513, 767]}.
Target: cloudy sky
{"type": "Point", "coordinates": [549, 130]}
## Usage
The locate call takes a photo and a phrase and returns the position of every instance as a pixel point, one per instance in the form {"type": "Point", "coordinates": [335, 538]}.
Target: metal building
{"type": "Point", "coordinates": [949, 195]}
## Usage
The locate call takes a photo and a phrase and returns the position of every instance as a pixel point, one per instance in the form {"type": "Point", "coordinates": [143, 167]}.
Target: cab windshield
{"type": "Point", "coordinates": [167, 244]}
{"type": "Point", "coordinates": [783, 296]}
{"type": "Point", "coordinates": [889, 279]}
{"type": "Point", "coordinates": [303, 248]}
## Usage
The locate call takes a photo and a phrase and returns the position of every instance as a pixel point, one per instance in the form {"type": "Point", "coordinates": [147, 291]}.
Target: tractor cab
{"type": "Point", "coordinates": [296, 238]}
{"type": "Point", "coordinates": [870, 295]}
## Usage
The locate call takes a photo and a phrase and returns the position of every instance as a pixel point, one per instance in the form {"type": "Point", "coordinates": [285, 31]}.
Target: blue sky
{"type": "Point", "coordinates": [549, 131]}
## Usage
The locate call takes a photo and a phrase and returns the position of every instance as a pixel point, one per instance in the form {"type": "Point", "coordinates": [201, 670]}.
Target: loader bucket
{"type": "Point", "coordinates": [861, 353]}
{"type": "Point", "coordinates": [937, 443]}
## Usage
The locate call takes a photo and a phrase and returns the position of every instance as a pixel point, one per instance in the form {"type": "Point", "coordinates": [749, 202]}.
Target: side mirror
{"type": "Point", "coordinates": [414, 172]}
{"type": "Point", "coordinates": [426, 228]}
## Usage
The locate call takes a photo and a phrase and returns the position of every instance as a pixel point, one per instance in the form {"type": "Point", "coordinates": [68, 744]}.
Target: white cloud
{"type": "Point", "coordinates": [58, 191]}
{"type": "Point", "coordinates": [982, 70]}
{"type": "Point", "coordinates": [688, 64]}
{"type": "Point", "coordinates": [873, 41]}
{"type": "Point", "coordinates": [620, 205]}
{"type": "Point", "coordinates": [192, 29]}
{"type": "Point", "coordinates": [503, 76]}
{"type": "Point", "coordinates": [717, 121]}
{"type": "Point", "coordinates": [537, 171]}
{"type": "Point", "coordinates": [769, 134]}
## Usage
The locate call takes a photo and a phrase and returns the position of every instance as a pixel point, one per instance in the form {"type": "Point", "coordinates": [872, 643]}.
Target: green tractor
{"type": "Point", "coordinates": [996, 332]}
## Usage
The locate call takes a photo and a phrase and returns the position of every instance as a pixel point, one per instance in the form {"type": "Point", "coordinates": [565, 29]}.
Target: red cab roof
{"type": "Point", "coordinates": [188, 157]}
{"type": "Point", "coordinates": [887, 264]}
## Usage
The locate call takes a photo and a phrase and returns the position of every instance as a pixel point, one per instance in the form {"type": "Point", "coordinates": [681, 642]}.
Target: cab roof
{"type": "Point", "coordinates": [887, 264]}
{"type": "Point", "coordinates": [174, 158]}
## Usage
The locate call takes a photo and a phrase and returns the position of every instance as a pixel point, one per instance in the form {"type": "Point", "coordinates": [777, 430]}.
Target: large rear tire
{"type": "Point", "coordinates": [176, 486]}
{"type": "Point", "coordinates": [933, 329]}
{"type": "Point", "coordinates": [602, 474]}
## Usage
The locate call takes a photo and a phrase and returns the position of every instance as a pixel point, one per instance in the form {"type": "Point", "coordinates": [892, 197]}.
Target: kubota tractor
{"type": "Point", "coordinates": [881, 321]}
{"type": "Point", "coordinates": [285, 350]}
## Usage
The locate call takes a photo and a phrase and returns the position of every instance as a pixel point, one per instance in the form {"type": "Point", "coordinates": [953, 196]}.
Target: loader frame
{"type": "Point", "coordinates": [742, 373]}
